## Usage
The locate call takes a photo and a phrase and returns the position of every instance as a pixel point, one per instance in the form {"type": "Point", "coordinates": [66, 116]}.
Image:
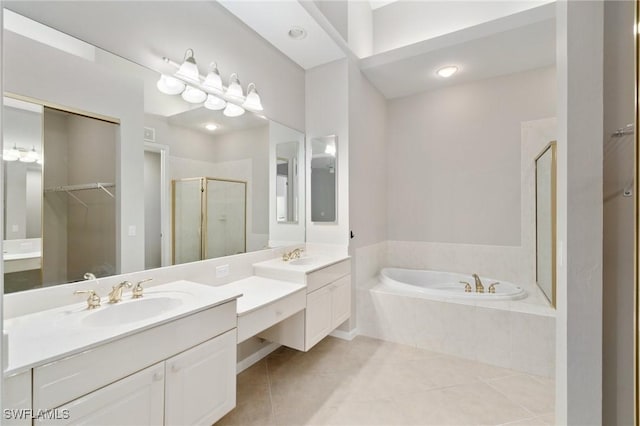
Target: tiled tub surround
{"type": "Point", "coordinates": [510, 334]}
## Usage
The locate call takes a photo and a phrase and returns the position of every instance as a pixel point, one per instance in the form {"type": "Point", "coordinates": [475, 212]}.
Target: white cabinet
{"type": "Point", "coordinates": [201, 383]}
{"type": "Point", "coordinates": [136, 400]}
{"type": "Point", "coordinates": [16, 400]}
{"type": "Point", "coordinates": [328, 306]}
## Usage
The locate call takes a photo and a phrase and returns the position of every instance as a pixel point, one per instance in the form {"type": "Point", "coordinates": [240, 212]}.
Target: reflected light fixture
{"type": "Point", "coordinates": [29, 156]}
{"type": "Point", "coordinates": [193, 95]}
{"type": "Point", "coordinates": [214, 103]}
{"type": "Point", "coordinates": [330, 149]}
{"type": "Point", "coordinates": [252, 102]}
{"type": "Point", "coordinates": [189, 70]}
{"type": "Point", "coordinates": [233, 110]}
{"type": "Point", "coordinates": [234, 90]}
{"type": "Point", "coordinates": [447, 71]}
{"type": "Point", "coordinates": [11, 154]}
{"type": "Point", "coordinates": [170, 85]}
{"type": "Point", "coordinates": [210, 126]}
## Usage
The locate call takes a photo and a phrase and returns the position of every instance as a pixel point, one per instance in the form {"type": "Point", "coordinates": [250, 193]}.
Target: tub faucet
{"type": "Point", "coordinates": [479, 286]}
{"type": "Point", "coordinates": [115, 295]}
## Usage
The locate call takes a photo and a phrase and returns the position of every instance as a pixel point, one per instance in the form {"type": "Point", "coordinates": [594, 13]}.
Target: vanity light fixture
{"type": "Point", "coordinates": [30, 156]}
{"type": "Point", "coordinates": [210, 126]}
{"type": "Point", "coordinates": [253, 99]}
{"type": "Point", "coordinates": [189, 70]}
{"type": "Point", "coordinates": [234, 90]}
{"type": "Point", "coordinates": [447, 71]}
{"type": "Point", "coordinates": [193, 95]}
{"type": "Point", "coordinates": [210, 90]}
{"type": "Point", "coordinates": [170, 85]}
{"type": "Point", "coordinates": [297, 33]}
{"type": "Point", "coordinates": [214, 103]}
{"type": "Point", "coordinates": [213, 81]}
{"type": "Point", "coordinates": [233, 110]}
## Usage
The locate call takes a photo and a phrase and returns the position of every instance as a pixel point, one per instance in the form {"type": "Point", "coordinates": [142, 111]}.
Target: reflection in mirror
{"type": "Point", "coordinates": [60, 217]}
{"type": "Point", "coordinates": [323, 179]}
{"type": "Point", "coordinates": [546, 222]}
{"type": "Point", "coordinates": [287, 182]}
{"type": "Point", "coordinates": [181, 140]}
{"type": "Point", "coordinates": [209, 218]}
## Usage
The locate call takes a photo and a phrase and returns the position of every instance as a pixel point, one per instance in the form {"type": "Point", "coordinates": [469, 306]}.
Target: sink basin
{"type": "Point", "coordinates": [303, 261]}
{"type": "Point", "coordinates": [131, 311]}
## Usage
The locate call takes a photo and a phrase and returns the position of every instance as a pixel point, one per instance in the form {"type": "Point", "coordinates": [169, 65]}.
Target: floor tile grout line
{"type": "Point", "coordinates": [511, 400]}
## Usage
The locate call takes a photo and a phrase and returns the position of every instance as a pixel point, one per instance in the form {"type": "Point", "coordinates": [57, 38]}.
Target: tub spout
{"type": "Point", "coordinates": [479, 286]}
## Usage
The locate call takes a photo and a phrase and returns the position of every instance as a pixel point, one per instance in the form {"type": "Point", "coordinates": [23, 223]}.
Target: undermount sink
{"type": "Point", "coordinates": [131, 311]}
{"type": "Point", "coordinates": [303, 261]}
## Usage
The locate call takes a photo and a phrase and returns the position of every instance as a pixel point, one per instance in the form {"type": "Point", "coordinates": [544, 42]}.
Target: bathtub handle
{"type": "Point", "coordinates": [467, 286]}
{"type": "Point", "coordinates": [492, 287]}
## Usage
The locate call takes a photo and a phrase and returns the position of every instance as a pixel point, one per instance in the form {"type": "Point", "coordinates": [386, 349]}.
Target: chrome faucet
{"type": "Point", "coordinates": [115, 295]}
{"type": "Point", "coordinates": [479, 286]}
{"type": "Point", "coordinates": [293, 254]}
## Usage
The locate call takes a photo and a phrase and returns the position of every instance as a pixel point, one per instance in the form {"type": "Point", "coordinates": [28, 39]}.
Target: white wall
{"type": "Point", "coordinates": [453, 156]}
{"type": "Point", "coordinates": [407, 22]}
{"type": "Point", "coordinates": [327, 114]}
{"type": "Point", "coordinates": [579, 30]}
{"type": "Point", "coordinates": [360, 28]}
{"type": "Point", "coordinates": [618, 247]}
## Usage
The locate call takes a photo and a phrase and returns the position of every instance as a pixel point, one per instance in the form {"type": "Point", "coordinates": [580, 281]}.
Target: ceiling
{"type": "Point", "coordinates": [515, 43]}
{"type": "Point", "coordinates": [273, 20]}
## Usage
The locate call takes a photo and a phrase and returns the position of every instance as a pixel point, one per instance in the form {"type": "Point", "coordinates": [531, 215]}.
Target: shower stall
{"type": "Point", "coordinates": [209, 218]}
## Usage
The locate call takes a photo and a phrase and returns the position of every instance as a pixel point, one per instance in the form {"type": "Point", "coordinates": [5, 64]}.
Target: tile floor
{"type": "Point", "coordinates": [372, 382]}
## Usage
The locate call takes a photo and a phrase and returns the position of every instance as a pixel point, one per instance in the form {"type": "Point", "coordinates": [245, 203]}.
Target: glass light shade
{"type": "Point", "coordinates": [253, 99]}
{"type": "Point", "coordinates": [330, 149]}
{"type": "Point", "coordinates": [233, 110]}
{"type": "Point", "coordinates": [11, 154]}
{"type": "Point", "coordinates": [234, 90]}
{"type": "Point", "coordinates": [214, 103]}
{"type": "Point", "coordinates": [189, 70]}
{"type": "Point", "coordinates": [193, 95]}
{"type": "Point", "coordinates": [29, 157]}
{"type": "Point", "coordinates": [213, 81]}
{"type": "Point", "coordinates": [170, 85]}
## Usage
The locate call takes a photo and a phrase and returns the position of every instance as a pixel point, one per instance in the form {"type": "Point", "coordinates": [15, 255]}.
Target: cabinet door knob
{"type": "Point", "coordinates": [175, 368]}
{"type": "Point", "coordinates": [157, 377]}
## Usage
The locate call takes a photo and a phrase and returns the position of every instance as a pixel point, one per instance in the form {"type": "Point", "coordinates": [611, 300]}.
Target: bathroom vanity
{"type": "Point", "coordinates": [176, 367]}
{"type": "Point", "coordinates": [327, 280]}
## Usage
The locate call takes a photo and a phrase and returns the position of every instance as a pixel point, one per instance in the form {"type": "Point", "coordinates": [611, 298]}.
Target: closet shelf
{"type": "Point", "coordinates": [83, 187]}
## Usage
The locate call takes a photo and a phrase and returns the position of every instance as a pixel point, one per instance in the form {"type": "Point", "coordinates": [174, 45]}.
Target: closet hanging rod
{"type": "Point", "coordinates": [98, 185]}
{"type": "Point", "coordinates": [623, 131]}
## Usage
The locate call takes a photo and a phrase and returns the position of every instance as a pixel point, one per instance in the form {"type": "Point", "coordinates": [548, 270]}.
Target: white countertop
{"type": "Point", "coordinates": [258, 292]}
{"type": "Point", "coordinates": [42, 337]}
{"type": "Point", "coordinates": [288, 271]}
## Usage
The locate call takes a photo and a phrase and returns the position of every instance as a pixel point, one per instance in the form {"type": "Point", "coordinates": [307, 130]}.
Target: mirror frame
{"type": "Point", "coordinates": [552, 148]}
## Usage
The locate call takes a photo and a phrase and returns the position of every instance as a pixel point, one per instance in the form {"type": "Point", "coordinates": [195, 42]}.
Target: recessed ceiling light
{"type": "Point", "coordinates": [447, 71]}
{"type": "Point", "coordinates": [210, 127]}
{"type": "Point", "coordinates": [297, 33]}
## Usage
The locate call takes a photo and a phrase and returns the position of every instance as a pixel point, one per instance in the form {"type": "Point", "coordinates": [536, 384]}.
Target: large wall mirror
{"type": "Point", "coordinates": [324, 180]}
{"type": "Point", "coordinates": [87, 194]}
{"type": "Point", "coordinates": [546, 221]}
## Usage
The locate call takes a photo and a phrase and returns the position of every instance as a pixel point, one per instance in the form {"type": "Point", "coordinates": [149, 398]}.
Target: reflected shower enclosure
{"type": "Point", "coordinates": [209, 218]}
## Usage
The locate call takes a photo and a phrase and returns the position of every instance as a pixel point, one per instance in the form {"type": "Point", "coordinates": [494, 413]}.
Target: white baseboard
{"type": "Point", "coordinates": [345, 335]}
{"type": "Point", "coordinates": [255, 357]}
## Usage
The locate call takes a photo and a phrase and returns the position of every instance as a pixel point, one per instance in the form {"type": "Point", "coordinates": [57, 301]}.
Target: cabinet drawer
{"type": "Point", "coordinates": [61, 381]}
{"type": "Point", "coordinates": [16, 396]}
{"type": "Point", "coordinates": [264, 317]}
{"type": "Point", "coordinates": [324, 276]}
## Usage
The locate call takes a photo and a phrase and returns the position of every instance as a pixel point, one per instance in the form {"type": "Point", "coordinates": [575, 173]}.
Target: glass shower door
{"type": "Point", "coordinates": [225, 217]}
{"type": "Point", "coordinates": [187, 217]}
